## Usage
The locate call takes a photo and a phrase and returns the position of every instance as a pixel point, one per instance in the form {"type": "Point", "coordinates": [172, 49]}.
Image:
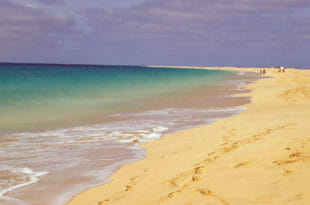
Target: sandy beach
{"type": "Point", "coordinates": [261, 156]}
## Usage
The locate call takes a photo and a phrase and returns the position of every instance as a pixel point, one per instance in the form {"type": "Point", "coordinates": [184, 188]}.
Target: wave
{"type": "Point", "coordinates": [60, 149]}
{"type": "Point", "coordinates": [14, 178]}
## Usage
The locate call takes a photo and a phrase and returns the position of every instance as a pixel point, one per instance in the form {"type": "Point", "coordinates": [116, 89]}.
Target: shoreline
{"type": "Point", "coordinates": [202, 107]}
{"type": "Point", "coordinates": [256, 152]}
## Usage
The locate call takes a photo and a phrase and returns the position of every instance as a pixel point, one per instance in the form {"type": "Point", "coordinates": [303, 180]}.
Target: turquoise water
{"type": "Point", "coordinates": [64, 129]}
{"type": "Point", "coordinates": [44, 96]}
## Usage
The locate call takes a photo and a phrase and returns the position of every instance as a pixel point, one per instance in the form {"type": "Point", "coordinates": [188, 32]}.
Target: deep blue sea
{"type": "Point", "coordinates": [66, 128]}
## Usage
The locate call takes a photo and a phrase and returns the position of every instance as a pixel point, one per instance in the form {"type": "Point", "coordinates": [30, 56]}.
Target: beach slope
{"type": "Point", "coordinates": [261, 156]}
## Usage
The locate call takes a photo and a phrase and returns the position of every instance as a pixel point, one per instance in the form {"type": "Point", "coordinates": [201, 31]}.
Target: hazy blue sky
{"type": "Point", "coordinates": [170, 32]}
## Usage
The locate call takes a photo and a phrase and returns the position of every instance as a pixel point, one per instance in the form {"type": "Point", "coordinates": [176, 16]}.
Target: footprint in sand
{"type": "Point", "coordinates": [128, 188]}
{"type": "Point", "coordinates": [195, 178]}
{"type": "Point", "coordinates": [241, 164]}
{"type": "Point", "coordinates": [198, 170]}
{"type": "Point", "coordinates": [206, 192]}
{"type": "Point", "coordinates": [288, 172]}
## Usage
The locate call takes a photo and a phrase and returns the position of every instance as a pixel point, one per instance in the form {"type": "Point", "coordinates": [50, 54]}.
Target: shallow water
{"type": "Point", "coordinates": [37, 97]}
{"type": "Point", "coordinates": [61, 159]}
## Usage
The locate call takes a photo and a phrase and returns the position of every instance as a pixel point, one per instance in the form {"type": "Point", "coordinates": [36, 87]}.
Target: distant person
{"type": "Point", "coordinates": [264, 71]}
{"type": "Point", "coordinates": [282, 69]}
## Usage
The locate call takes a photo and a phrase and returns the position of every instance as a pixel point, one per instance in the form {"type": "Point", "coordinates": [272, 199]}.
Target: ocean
{"type": "Point", "coordinates": [66, 128]}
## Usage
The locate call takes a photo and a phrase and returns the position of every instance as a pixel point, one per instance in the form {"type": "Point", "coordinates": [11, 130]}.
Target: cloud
{"type": "Point", "coordinates": [33, 3]}
{"type": "Point", "coordinates": [173, 32]}
{"type": "Point", "coordinates": [51, 1]}
{"type": "Point", "coordinates": [28, 30]}
{"type": "Point", "coordinates": [217, 26]}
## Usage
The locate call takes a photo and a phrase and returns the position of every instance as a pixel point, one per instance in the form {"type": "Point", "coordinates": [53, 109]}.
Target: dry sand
{"type": "Point", "coordinates": [261, 156]}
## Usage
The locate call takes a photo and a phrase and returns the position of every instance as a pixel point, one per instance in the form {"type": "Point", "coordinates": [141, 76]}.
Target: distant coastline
{"type": "Point", "coordinates": [147, 66]}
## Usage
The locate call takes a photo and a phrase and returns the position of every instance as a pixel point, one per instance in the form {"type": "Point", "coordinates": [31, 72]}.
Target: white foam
{"type": "Point", "coordinates": [240, 72]}
{"type": "Point", "coordinates": [232, 109]}
{"type": "Point", "coordinates": [152, 135]}
{"type": "Point", "coordinates": [241, 86]}
{"type": "Point", "coordinates": [33, 175]}
{"type": "Point", "coordinates": [140, 128]}
{"type": "Point", "coordinates": [176, 112]}
{"type": "Point", "coordinates": [143, 124]}
{"type": "Point", "coordinates": [160, 129]}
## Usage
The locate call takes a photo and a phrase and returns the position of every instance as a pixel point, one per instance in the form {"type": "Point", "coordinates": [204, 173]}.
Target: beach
{"type": "Point", "coordinates": [260, 156]}
{"type": "Point", "coordinates": [67, 128]}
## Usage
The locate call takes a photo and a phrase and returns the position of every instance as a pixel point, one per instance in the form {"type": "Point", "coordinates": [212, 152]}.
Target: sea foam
{"type": "Point", "coordinates": [25, 175]}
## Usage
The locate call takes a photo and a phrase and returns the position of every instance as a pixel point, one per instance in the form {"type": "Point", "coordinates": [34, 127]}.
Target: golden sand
{"type": "Point", "coordinates": [261, 156]}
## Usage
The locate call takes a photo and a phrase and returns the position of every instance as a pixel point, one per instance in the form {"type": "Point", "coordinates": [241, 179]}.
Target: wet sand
{"type": "Point", "coordinates": [261, 156]}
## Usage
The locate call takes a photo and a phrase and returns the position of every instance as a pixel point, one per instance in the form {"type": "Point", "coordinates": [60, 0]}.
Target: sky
{"type": "Point", "coordinates": [156, 32]}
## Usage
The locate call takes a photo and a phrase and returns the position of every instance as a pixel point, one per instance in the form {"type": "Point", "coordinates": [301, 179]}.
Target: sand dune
{"type": "Point", "coordinates": [261, 156]}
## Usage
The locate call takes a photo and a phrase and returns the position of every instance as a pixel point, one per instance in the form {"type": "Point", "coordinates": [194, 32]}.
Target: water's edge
{"type": "Point", "coordinates": [241, 108]}
{"type": "Point", "coordinates": [130, 144]}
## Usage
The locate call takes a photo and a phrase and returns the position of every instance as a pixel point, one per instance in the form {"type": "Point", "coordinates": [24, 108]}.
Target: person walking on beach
{"type": "Point", "coordinates": [262, 71]}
